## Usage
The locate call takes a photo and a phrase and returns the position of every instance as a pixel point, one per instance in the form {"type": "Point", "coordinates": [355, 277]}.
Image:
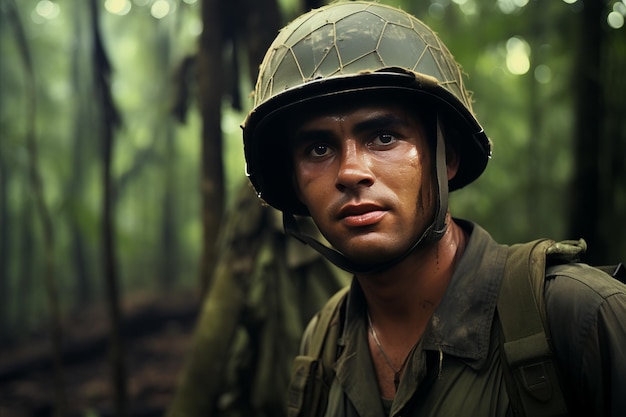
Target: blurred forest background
{"type": "Point", "coordinates": [138, 273]}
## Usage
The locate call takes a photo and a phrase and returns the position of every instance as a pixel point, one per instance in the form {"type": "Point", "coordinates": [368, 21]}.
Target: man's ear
{"type": "Point", "coordinates": [452, 161]}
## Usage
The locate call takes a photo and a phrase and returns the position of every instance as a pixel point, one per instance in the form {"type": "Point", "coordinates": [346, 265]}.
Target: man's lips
{"type": "Point", "coordinates": [359, 215]}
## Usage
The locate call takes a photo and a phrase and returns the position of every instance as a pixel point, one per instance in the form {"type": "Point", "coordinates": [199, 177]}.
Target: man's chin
{"type": "Point", "coordinates": [371, 257]}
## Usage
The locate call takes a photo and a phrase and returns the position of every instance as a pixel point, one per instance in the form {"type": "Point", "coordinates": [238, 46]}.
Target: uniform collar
{"type": "Point", "coordinates": [461, 324]}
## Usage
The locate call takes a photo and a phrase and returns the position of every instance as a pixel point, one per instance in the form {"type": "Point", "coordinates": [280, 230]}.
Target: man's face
{"type": "Point", "coordinates": [363, 171]}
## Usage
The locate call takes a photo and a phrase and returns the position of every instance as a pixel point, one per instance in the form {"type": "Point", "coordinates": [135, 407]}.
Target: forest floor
{"type": "Point", "coordinates": [157, 336]}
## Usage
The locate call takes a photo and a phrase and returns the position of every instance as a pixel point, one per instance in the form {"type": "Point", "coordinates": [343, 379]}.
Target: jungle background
{"type": "Point", "coordinates": [140, 276]}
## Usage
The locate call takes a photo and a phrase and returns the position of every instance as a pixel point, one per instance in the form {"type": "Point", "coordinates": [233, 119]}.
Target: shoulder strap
{"type": "Point", "coordinates": [526, 348]}
{"type": "Point", "coordinates": [311, 372]}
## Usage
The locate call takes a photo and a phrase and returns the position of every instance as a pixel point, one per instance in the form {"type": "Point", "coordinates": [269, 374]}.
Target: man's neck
{"type": "Point", "coordinates": [411, 290]}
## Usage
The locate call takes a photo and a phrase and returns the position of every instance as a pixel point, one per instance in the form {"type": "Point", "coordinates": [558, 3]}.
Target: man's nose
{"type": "Point", "coordinates": [354, 168]}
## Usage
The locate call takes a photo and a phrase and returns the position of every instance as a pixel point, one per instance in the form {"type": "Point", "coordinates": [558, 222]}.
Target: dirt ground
{"type": "Point", "coordinates": [157, 334]}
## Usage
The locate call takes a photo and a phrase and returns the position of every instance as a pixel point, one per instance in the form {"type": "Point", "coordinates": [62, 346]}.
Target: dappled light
{"type": "Point", "coordinates": [468, 7]}
{"type": "Point", "coordinates": [517, 56]}
{"type": "Point", "coordinates": [162, 8]}
{"type": "Point", "coordinates": [118, 7]}
{"type": "Point", "coordinates": [615, 19]}
{"type": "Point", "coordinates": [543, 74]}
{"type": "Point", "coordinates": [159, 9]}
{"type": "Point", "coordinates": [511, 6]}
{"type": "Point", "coordinates": [45, 10]}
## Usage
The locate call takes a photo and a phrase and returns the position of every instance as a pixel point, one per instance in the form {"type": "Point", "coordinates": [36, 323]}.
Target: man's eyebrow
{"type": "Point", "coordinates": [381, 122]}
{"type": "Point", "coordinates": [377, 122]}
{"type": "Point", "coordinates": [310, 135]}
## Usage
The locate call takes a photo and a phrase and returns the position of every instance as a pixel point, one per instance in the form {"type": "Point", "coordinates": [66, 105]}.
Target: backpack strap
{"type": "Point", "coordinates": [312, 373]}
{"type": "Point", "coordinates": [526, 348]}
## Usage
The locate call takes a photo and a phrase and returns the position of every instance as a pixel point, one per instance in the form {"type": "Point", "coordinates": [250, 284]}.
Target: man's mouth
{"type": "Point", "coordinates": [361, 215]}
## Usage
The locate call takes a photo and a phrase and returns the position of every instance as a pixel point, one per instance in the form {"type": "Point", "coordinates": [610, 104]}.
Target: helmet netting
{"type": "Point", "coordinates": [357, 37]}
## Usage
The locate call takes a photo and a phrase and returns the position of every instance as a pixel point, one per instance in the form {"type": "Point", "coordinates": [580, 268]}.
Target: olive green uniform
{"type": "Point", "coordinates": [456, 370]}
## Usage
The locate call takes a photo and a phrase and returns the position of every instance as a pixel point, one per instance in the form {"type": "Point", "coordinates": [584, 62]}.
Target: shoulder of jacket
{"type": "Point", "coordinates": [577, 278]}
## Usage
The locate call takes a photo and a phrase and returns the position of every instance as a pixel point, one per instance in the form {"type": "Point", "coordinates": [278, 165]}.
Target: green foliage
{"type": "Point", "coordinates": [528, 121]}
{"type": "Point", "coordinates": [528, 116]}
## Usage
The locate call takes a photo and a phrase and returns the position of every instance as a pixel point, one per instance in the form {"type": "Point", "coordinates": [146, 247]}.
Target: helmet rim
{"type": "Point", "coordinates": [275, 187]}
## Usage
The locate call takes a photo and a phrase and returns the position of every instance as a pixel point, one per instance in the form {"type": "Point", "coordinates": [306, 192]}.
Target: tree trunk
{"type": "Point", "coordinates": [612, 203]}
{"type": "Point", "coordinates": [588, 116]}
{"type": "Point", "coordinates": [108, 122]}
{"type": "Point", "coordinates": [82, 122]}
{"type": "Point", "coordinates": [24, 299]}
{"type": "Point", "coordinates": [168, 250]}
{"type": "Point", "coordinates": [42, 209]}
{"type": "Point", "coordinates": [202, 378]}
{"type": "Point", "coordinates": [262, 22]}
{"type": "Point", "coordinates": [169, 238]}
{"type": "Point", "coordinates": [535, 171]}
{"type": "Point", "coordinates": [210, 100]}
{"type": "Point", "coordinates": [5, 253]}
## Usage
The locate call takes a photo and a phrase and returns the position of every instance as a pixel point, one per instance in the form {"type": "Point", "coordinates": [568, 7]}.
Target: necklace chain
{"type": "Point", "coordinates": [397, 372]}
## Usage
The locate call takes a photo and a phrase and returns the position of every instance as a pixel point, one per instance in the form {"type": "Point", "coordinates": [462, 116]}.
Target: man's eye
{"type": "Point", "coordinates": [384, 139]}
{"type": "Point", "coordinates": [318, 150]}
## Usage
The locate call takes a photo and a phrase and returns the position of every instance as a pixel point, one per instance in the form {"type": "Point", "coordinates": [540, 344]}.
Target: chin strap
{"type": "Point", "coordinates": [439, 225]}
{"type": "Point", "coordinates": [432, 233]}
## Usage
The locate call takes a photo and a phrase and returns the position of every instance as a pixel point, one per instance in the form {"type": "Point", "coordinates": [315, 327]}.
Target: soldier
{"type": "Point", "coordinates": [362, 121]}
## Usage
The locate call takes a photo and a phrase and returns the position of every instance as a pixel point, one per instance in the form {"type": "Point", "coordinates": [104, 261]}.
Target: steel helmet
{"type": "Point", "coordinates": [346, 48]}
